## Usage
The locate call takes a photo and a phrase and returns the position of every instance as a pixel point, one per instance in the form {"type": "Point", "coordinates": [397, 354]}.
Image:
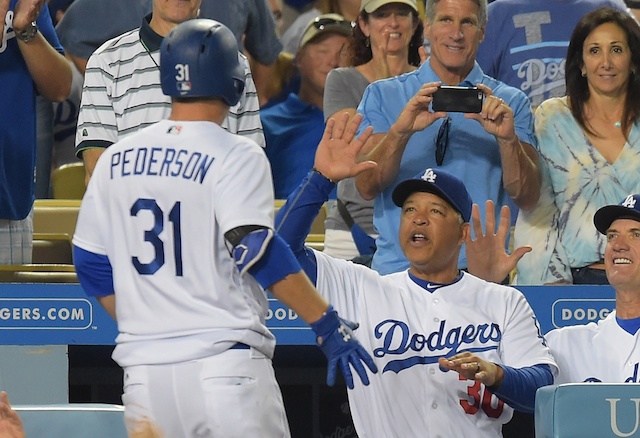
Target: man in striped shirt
{"type": "Point", "coordinates": [122, 92]}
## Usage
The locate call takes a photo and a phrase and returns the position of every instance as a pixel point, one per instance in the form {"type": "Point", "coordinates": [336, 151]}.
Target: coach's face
{"type": "Point", "coordinates": [169, 13]}
{"type": "Point", "coordinates": [431, 235]}
{"type": "Point", "coordinates": [622, 254]}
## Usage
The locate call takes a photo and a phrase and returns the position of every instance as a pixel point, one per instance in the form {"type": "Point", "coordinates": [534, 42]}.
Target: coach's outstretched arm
{"type": "Point", "coordinates": [336, 159]}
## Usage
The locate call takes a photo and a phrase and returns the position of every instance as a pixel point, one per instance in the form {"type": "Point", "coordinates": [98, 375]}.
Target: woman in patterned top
{"type": "Point", "coordinates": [589, 145]}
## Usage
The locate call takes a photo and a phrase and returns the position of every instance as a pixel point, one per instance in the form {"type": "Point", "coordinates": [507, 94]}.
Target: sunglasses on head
{"type": "Point", "coordinates": [320, 23]}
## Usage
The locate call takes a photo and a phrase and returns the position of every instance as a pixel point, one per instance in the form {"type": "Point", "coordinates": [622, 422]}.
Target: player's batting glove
{"type": "Point", "coordinates": [336, 339]}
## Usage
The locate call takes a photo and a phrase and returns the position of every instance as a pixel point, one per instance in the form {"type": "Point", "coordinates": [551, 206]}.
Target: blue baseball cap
{"type": "Point", "coordinates": [629, 208]}
{"type": "Point", "coordinates": [439, 182]}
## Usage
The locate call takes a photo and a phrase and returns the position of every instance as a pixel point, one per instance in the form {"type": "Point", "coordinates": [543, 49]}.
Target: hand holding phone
{"type": "Point", "coordinates": [458, 99]}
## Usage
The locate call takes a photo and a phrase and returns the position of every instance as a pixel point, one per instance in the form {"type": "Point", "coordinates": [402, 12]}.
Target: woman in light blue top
{"type": "Point", "coordinates": [589, 145]}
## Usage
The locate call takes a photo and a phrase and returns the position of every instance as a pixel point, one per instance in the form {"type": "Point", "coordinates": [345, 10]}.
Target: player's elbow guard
{"type": "Point", "coordinates": [262, 253]}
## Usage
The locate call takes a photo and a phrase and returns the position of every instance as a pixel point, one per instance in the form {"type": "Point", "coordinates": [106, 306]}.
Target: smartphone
{"type": "Point", "coordinates": [458, 99]}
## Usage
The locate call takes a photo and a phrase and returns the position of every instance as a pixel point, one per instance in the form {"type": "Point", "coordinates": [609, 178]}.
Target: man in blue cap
{"type": "Point", "coordinates": [426, 321]}
{"type": "Point", "coordinates": [608, 351]}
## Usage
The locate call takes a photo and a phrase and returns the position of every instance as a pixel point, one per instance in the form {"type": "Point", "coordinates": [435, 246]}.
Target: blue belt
{"type": "Point", "coordinates": [239, 346]}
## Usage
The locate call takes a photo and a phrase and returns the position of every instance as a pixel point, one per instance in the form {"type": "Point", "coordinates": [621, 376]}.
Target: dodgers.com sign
{"type": "Point", "coordinates": [50, 314]}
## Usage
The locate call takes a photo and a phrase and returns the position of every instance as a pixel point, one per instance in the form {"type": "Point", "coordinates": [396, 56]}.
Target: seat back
{"type": "Point", "coordinates": [73, 420]}
{"type": "Point", "coordinates": [67, 181]}
{"type": "Point", "coordinates": [52, 248]}
{"type": "Point", "coordinates": [55, 216]}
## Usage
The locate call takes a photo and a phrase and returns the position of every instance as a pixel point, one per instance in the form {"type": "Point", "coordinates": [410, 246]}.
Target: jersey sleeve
{"type": "Point", "coordinates": [244, 192]}
{"type": "Point", "coordinates": [90, 230]}
{"type": "Point", "coordinates": [523, 344]}
{"type": "Point", "coordinates": [96, 118]}
{"type": "Point", "coordinates": [341, 282]}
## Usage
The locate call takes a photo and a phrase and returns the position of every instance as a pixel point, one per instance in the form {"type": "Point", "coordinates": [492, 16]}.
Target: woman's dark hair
{"type": "Point", "coordinates": [361, 50]}
{"type": "Point", "coordinates": [577, 86]}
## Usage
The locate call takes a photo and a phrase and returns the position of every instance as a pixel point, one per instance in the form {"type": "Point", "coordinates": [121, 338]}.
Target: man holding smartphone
{"type": "Point", "coordinates": [491, 150]}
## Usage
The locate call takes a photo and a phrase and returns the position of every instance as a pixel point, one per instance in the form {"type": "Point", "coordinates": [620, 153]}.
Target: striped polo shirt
{"type": "Point", "coordinates": [122, 93]}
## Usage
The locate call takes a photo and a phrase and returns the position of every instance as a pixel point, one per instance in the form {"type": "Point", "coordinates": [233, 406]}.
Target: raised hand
{"type": "Point", "coordinates": [336, 156]}
{"type": "Point", "coordinates": [337, 341]}
{"type": "Point", "coordinates": [486, 254]}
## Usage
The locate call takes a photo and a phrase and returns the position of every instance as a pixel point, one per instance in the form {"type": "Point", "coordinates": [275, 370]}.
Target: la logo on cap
{"type": "Point", "coordinates": [630, 202]}
{"type": "Point", "coordinates": [429, 176]}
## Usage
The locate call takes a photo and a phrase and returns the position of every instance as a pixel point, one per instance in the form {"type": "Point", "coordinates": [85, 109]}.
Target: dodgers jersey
{"type": "Point", "coordinates": [158, 205]}
{"type": "Point", "coordinates": [602, 352]}
{"type": "Point", "coordinates": [407, 328]}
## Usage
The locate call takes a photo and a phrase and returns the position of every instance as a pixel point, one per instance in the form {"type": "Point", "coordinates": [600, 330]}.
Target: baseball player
{"type": "Point", "coordinates": [608, 351]}
{"type": "Point", "coordinates": [175, 239]}
{"type": "Point", "coordinates": [456, 354]}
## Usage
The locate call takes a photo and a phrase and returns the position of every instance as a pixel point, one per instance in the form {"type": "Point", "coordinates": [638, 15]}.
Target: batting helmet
{"type": "Point", "coordinates": [199, 58]}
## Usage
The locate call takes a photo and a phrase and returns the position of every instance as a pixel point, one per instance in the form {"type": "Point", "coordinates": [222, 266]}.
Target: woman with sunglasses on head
{"type": "Point", "coordinates": [385, 42]}
{"type": "Point", "coordinates": [589, 146]}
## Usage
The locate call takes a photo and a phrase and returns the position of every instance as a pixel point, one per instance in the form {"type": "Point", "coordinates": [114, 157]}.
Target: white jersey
{"type": "Point", "coordinates": [158, 205]}
{"type": "Point", "coordinates": [122, 94]}
{"type": "Point", "coordinates": [602, 352]}
{"type": "Point", "coordinates": [406, 329]}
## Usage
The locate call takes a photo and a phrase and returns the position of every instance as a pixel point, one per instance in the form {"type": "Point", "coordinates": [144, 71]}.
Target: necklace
{"type": "Point", "coordinates": [617, 124]}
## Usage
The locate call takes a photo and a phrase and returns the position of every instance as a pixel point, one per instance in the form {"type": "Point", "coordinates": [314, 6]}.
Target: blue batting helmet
{"type": "Point", "coordinates": [199, 58]}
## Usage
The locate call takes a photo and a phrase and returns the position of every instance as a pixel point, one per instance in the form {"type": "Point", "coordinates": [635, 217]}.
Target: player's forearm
{"type": "Point", "coordinates": [297, 293]}
{"type": "Point", "coordinates": [386, 150]}
{"type": "Point", "coordinates": [520, 172]}
{"type": "Point", "coordinates": [294, 220]}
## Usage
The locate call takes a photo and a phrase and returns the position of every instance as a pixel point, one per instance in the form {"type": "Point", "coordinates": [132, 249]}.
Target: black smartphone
{"type": "Point", "coordinates": [458, 99]}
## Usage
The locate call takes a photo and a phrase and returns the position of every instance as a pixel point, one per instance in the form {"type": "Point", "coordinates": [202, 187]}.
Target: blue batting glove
{"type": "Point", "coordinates": [336, 339]}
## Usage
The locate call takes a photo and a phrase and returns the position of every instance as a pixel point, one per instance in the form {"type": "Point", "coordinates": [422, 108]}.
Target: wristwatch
{"type": "Point", "coordinates": [27, 34]}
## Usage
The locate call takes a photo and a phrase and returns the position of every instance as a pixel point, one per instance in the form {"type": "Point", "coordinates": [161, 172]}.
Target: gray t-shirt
{"type": "Point", "coordinates": [344, 89]}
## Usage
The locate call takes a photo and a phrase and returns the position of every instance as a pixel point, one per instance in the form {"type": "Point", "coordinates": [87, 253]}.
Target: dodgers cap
{"type": "Point", "coordinates": [629, 208]}
{"type": "Point", "coordinates": [439, 182]}
{"type": "Point", "coordinates": [371, 5]}
{"type": "Point", "coordinates": [326, 23]}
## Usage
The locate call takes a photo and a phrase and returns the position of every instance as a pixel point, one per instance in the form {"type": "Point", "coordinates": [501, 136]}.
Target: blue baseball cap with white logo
{"type": "Point", "coordinates": [629, 208]}
{"type": "Point", "coordinates": [439, 182]}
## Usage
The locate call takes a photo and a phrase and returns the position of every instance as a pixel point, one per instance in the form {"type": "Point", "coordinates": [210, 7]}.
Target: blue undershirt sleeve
{"type": "Point", "coordinates": [293, 221]}
{"type": "Point", "coordinates": [94, 272]}
{"type": "Point", "coordinates": [519, 386]}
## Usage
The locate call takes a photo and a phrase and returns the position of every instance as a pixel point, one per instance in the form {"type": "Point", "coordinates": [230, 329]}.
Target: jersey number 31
{"type": "Point", "coordinates": [153, 236]}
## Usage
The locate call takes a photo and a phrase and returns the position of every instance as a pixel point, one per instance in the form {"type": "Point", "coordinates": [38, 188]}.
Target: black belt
{"type": "Point", "coordinates": [239, 346]}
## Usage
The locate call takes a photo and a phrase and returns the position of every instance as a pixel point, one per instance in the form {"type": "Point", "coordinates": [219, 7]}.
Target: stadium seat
{"type": "Point", "coordinates": [73, 420]}
{"type": "Point", "coordinates": [52, 248]}
{"type": "Point", "coordinates": [55, 216]}
{"type": "Point", "coordinates": [67, 181]}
